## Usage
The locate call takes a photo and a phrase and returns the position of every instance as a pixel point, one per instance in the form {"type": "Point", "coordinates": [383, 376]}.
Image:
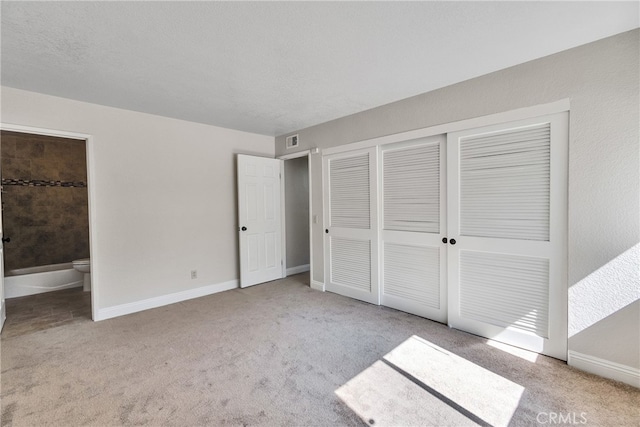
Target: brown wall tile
{"type": "Point", "coordinates": [16, 168]}
{"type": "Point", "coordinates": [7, 145]}
{"type": "Point", "coordinates": [45, 169]}
{"type": "Point", "coordinates": [46, 224]}
{"type": "Point", "coordinates": [29, 148]}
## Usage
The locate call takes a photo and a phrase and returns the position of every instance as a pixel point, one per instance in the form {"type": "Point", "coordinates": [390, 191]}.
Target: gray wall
{"type": "Point", "coordinates": [296, 173]}
{"type": "Point", "coordinates": [601, 81]}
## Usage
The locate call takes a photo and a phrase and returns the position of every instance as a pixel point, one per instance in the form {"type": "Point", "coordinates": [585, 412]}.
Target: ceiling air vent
{"type": "Point", "coordinates": [292, 141]}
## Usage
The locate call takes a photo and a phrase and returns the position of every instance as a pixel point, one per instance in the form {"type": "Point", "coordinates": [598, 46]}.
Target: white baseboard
{"type": "Point", "coordinates": [318, 286]}
{"type": "Point", "coordinates": [146, 304]}
{"type": "Point", "coordinates": [297, 270]}
{"type": "Point", "coordinates": [604, 368]}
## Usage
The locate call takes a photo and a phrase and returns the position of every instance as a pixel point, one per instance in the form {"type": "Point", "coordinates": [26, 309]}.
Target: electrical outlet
{"type": "Point", "coordinates": [194, 274]}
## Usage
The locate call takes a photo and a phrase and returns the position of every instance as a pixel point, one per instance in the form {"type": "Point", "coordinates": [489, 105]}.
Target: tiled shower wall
{"type": "Point", "coordinates": [44, 200]}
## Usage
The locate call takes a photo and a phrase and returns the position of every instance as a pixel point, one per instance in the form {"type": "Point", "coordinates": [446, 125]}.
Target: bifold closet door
{"type": "Point", "coordinates": [413, 255]}
{"type": "Point", "coordinates": [350, 200]}
{"type": "Point", "coordinates": [507, 214]}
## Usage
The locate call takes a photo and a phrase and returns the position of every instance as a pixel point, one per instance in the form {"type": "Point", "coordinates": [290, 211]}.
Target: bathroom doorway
{"type": "Point", "coordinates": [46, 211]}
{"type": "Point", "coordinates": [297, 218]}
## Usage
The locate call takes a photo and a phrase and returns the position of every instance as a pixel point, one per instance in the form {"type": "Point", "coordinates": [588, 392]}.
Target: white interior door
{"type": "Point", "coordinates": [413, 212]}
{"type": "Point", "coordinates": [507, 214]}
{"type": "Point", "coordinates": [351, 244]}
{"type": "Point", "coordinates": [259, 219]}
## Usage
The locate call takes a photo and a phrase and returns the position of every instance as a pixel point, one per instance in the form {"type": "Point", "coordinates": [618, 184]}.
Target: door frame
{"type": "Point", "coordinates": [560, 106]}
{"type": "Point", "coordinates": [307, 154]}
{"type": "Point", "coordinates": [90, 160]}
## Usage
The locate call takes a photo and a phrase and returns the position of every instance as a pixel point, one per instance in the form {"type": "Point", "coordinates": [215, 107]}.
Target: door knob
{"type": "Point", "coordinates": [452, 241]}
{"type": "Point", "coordinates": [6, 239]}
{"type": "Point", "coordinates": [244, 228]}
{"type": "Point", "coordinates": [444, 240]}
{"type": "Point", "coordinates": [326, 231]}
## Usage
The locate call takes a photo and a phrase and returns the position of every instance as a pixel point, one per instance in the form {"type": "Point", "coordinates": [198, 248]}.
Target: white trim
{"type": "Point", "coordinates": [318, 286]}
{"type": "Point", "coordinates": [93, 229]}
{"type": "Point", "coordinates": [95, 288]}
{"type": "Point", "coordinates": [42, 131]}
{"type": "Point", "coordinates": [159, 301]}
{"type": "Point", "coordinates": [492, 119]}
{"type": "Point", "coordinates": [298, 269]}
{"type": "Point", "coordinates": [604, 368]}
{"type": "Point", "coordinates": [310, 216]}
{"type": "Point", "coordinates": [283, 222]}
{"type": "Point", "coordinates": [3, 314]}
{"type": "Point", "coordinates": [294, 155]}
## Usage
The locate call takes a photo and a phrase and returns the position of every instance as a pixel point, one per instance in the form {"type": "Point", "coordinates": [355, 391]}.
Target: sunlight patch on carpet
{"type": "Point", "coordinates": [419, 383]}
{"type": "Point", "coordinates": [383, 397]}
{"type": "Point", "coordinates": [515, 351]}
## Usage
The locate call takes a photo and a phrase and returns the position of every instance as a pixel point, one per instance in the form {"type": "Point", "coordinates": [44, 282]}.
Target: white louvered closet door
{"type": "Point", "coordinates": [350, 200]}
{"type": "Point", "coordinates": [413, 257]}
{"type": "Point", "coordinates": [507, 203]}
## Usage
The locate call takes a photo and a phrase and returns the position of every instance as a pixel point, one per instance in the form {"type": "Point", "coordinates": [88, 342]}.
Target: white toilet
{"type": "Point", "coordinates": [84, 266]}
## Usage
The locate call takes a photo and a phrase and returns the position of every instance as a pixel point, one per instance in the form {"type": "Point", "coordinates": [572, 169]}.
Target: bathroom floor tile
{"type": "Point", "coordinates": [33, 313]}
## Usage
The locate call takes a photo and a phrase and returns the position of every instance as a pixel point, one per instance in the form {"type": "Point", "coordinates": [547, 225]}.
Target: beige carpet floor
{"type": "Point", "coordinates": [283, 354]}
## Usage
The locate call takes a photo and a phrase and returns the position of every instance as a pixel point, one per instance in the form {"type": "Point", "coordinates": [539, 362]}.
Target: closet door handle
{"type": "Point", "coordinates": [444, 240]}
{"type": "Point", "coordinates": [452, 241]}
{"type": "Point", "coordinates": [244, 228]}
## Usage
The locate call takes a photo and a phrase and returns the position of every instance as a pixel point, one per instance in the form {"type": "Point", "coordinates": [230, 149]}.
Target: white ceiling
{"type": "Point", "coordinates": [275, 67]}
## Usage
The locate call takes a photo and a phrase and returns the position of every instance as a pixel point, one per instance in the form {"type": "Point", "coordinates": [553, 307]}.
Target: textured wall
{"type": "Point", "coordinates": [296, 181]}
{"type": "Point", "coordinates": [601, 81]}
{"type": "Point", "coordinates": [45, 210]}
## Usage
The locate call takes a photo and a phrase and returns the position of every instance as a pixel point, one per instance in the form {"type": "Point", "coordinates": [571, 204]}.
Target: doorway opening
{"type": "Point", "coordinates": [47, 232]}
{"type": "Point", "coordinates": [297, 218]}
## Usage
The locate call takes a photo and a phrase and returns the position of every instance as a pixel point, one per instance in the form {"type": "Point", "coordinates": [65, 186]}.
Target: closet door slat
{"type": "Point", "coordinates": [411, 182]}
{"type": "Point", "coordinates": [350, 197]}
{"type": "Point", "coordinates": [505, 184]}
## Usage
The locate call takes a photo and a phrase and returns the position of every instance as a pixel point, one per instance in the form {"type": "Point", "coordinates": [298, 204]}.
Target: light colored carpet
{"type": "Point", "coordinates": [283, 354]}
